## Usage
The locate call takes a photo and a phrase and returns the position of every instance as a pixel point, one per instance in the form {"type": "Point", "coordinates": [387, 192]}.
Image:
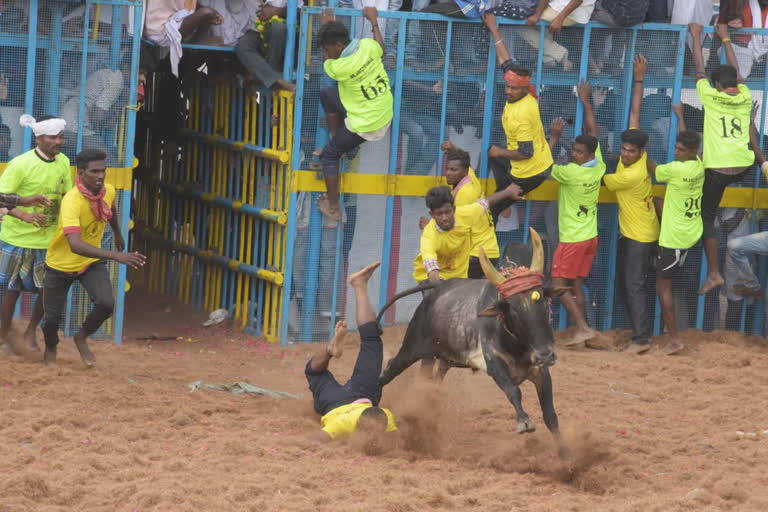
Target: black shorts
{"type": "Point", "coordinates": [669, 262]}
{"type": "Point", "coordinates": [328, 394]}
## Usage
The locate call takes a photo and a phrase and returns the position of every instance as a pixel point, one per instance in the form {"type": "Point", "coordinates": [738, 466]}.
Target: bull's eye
{"type": "Point", "coordinates": [535, 296]}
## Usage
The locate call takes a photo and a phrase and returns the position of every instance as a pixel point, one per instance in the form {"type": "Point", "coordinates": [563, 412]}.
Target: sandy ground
{"type": "Point", "coordinates": [650, 433]}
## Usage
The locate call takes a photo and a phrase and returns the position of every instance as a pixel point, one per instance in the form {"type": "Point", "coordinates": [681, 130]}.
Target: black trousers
{"type": "Point", "coordinates": [328, 394]}
{"type": "Point", "coordinates": [715, 184]}
{"type": "Point", "coordinates": [96, 282]}
{"type": "Point", "coordinates": [500, 168]}
{"type": "Point", "coordinates": [635, 275]}
{"type": "Point", "coordinates": [343, 140]}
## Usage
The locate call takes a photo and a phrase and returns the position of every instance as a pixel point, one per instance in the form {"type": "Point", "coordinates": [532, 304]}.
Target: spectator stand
{"type": "Point", "coordinates": [48, 51]}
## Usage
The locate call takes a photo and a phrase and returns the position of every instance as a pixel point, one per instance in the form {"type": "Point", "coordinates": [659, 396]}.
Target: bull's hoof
{"type": "Point", "coordinates": [525, 426]}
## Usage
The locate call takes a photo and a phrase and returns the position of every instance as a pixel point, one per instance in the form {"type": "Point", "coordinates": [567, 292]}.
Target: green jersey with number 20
{"type": "Point", "coordinates": [363, 85]}
{"type": "Point", "coordinates": [681, 225]}
{"type": "Point", "coordinates": [577, 198]}
{"type": "Point", "coordinates": [726, 126]}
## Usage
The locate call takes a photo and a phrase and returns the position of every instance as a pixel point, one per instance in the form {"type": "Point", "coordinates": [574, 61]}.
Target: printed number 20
{"type": "Point", "coordinates": [735, 130]}
{"type": "Point", "coordinates": [372, 90]}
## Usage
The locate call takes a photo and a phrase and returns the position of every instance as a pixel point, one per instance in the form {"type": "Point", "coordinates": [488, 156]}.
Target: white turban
{"type": "Point", "coordinates": [48, 127]}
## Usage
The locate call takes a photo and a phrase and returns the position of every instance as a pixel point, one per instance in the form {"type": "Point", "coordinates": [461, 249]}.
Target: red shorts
{"type": "Point", "coordinates": [573, 260]}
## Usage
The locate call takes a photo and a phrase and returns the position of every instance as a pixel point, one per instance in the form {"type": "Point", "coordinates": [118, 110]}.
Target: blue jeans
{"type": "Point", "coordinates": [423, 142]}
{"type": "Point", "coordinates": [741, 248]}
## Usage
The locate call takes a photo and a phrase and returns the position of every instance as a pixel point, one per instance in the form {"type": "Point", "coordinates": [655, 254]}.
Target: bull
{"type": "Point", "coordinates": [501, 326]}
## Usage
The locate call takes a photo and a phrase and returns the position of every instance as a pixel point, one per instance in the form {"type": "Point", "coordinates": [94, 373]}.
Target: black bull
{"type": "Point", "coordinates": [466, 323]}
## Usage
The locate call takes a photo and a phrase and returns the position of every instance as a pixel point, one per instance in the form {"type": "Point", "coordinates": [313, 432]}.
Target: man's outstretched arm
{"type": "Point", "coordinates": [639, 68]}
{"type": "Point", "coordinates": [698, 57]}
{"type": "Point", "coordinates": [502, 54]}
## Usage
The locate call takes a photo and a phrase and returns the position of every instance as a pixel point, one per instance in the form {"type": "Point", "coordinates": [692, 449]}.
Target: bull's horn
{"type": "Point", "coordinates": [493, 275]}
{"type": "Point", "coordinates": [537, 261]}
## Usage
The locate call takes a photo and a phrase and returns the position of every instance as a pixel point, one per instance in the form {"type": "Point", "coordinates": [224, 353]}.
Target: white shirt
{"type": "Point", "coordinates": [239, 16]}
{"type": "Point", "coordinates": [581, 14]}
{"type": "Point", "coordinates": [102, 89]}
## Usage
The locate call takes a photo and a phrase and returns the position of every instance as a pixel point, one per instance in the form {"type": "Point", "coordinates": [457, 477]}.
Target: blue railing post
{"type": "Point", "coordinates": [29, 84]}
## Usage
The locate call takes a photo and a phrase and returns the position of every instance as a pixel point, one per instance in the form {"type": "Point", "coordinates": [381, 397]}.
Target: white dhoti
{"type": "Point", "coordinates": [170, 37]}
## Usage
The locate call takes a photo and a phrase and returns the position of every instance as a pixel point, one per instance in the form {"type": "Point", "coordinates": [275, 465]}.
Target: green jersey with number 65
{"type": "Point", "coordinates": [726, 126]}
{"type": "Point", "coordinates": [681, 225]}
{"type": "Point", "coordinates": [363, 85]}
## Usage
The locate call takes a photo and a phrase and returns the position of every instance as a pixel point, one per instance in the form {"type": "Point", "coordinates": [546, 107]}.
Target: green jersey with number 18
{"type": "Point", "coordinates": [681, 225]}
{"type": "Point", "coordinates": [363, 85]}
{"type": "Point", "coordinates": [726, 126]}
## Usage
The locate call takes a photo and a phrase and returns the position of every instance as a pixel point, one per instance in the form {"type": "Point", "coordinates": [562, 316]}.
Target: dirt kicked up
{"type": "Point", "coordinates": [646, 433]}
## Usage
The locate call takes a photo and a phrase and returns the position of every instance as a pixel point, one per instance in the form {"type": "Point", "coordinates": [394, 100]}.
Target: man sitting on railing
{"type": "Point", "coordinates": [359, 108]}
{"type": "Point", "coordinates": [257, 30]}
{"type": "Point", "coordinates": [527, 159]}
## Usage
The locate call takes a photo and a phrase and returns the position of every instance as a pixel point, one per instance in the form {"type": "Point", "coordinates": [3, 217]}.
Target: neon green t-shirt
{"type": "Point", "coordinates": [726, 126]}
{"type": "Point", "coordinates": [577, 199]}
{"type": "Point", "coordinates": [26, 175]}
{"type": "Point", "coordinates": [342, 421]}
{"type": "Point", "coordinates": [363, 85]}
{"type": "Point", "coordinates": [681, 225]}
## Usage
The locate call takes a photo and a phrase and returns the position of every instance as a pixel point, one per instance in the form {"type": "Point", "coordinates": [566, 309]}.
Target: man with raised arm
{"type": "Point", "coordinates": [681, 225]}
{"type": "Point", "coordinates": [728, 135]}
{"type": "Point", "coordinates": [354, 406]}
{"type": "Point", "coordinates": [527, 159]}
{"type": "Point", "coordinates": [359, 108]}
{"type": "Point", "coordinates": [577, 215]}
{"type": "Point", "coordinates": [638, 223]}
{"type": "Point", "coordinates": [75, 254]}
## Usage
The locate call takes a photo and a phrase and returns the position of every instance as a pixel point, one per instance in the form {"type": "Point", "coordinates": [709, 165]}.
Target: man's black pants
{"type": "Point", "coordinates": [328, 394]}
{"type": "Point", "coordinates": [95, 280]}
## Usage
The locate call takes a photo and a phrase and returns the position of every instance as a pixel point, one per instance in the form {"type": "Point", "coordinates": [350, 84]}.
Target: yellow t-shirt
{"type": "Point", "coordinates": [483, 232]}
{"type": "Point", "coordinates": [450, 248]}
{"type": "Point", "coordinates": [637, 216]}
{"type": "Point", "coordinates": [342, 421]}
{"type": "Point", "coordinates": [522, 122]}
{"type": "Point", "coordinates": [76, 216]}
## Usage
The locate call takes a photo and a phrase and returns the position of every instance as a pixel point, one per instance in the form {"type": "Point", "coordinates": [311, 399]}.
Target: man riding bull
{"type": "Point", "coordinates": [353, 406]}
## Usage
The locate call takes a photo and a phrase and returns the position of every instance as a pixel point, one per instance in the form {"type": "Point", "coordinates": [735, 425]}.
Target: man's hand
{"type": "Point", "coordinates": [423, 221]}
{"type": "Point", "coordinates": [489, 19]}
{"type": "Point", "coordinates": [371, 14]}
{"type": "Point", "coordinates": [327, 15]}
{"type": "Point", "coordinates": [434, 275]}
{"type": "Point", "coordinates": [721, 29]}
{"type": "Point", "coordinates": [495, 152]}
{"type": "Point", "coordinates": [119, 242]}
{"type": "Point", "coordinates": [532, 19]}
{"type": "Point", "coordinates": [35, 200]}
{"type": "Point", "coordinates": [447, 146]}
{"type": "Point", "coordinates": [695, 29]}
{"type": "Point", "coordinates": [514, 191]}
{"type": "Point", "coordinates": [678, 110]}
{"type": "Point", "coordinates": [36, 219]}
{"type": "Point", "coordinates": [267, 11]}
{"type": "Point", "coordinates": [639, 67]}
{"type": "Point", "coordinates": [438, 87]}
{"type": "Point", "coordinates": [556, 26]}
{"type": "Point", "coordinates": [557, 127]}
{"type": "Point", "coordinates": [132, 259]}
{"type": "Point", "coordinates": [3, 212]}
{"type": "Point", "coordinates": [584, 90]}
{"type": "Point", "coordinates": [599, 95]}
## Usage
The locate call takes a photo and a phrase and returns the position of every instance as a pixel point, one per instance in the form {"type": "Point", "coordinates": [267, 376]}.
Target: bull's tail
{"type": "Point", "coordinates": [426, 285]}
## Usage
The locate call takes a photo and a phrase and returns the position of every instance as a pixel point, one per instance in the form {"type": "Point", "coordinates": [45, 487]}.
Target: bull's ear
{"type": "Point", "coordinates": [556, 291]}
{"type": "Point", "coordinates": [492, 310]}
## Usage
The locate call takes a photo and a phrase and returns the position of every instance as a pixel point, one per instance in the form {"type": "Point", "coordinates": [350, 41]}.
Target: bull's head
{"type": "Point", "coordinates": [522, 306]}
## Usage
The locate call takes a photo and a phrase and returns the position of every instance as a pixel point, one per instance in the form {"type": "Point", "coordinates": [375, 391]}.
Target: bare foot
{"type": "Point", "coordinates": [31, 341]}
{"type": "Point", "coordinates": [85, 353]}
{"type": "Point", "coordinates": [361, 277]}
{"type": "Point", "coordinates": [285, 85]}
{"type": "Point", "coordinates": [334, 346]}
{"type": "Point", "coordinates": [713, 281]}
{"type": "Point", "coordinates": [6, 349]}
{"type": "Point", "coordinates": [49, 357]}
{"type": "Point", "coordinates": [740, 289]}
{"type": "Point", "coordinates": [325, 207]}
{"type": "Point", "coordinates": [636, 348]}
{"type": "Point", "coordinates": [673, 346]}
{"type": "Point", "coordinates": [580, 336]}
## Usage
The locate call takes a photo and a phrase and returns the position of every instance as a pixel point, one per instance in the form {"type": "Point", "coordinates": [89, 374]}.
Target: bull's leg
{"type": "Point", "coordinates": [417, 344]}
{"type": "Point", "coordinates": [442, 368]}
{"type": "Point", "coordinates": [498, 371]}
{"type": "Point", "coordinates": [543, 383]}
